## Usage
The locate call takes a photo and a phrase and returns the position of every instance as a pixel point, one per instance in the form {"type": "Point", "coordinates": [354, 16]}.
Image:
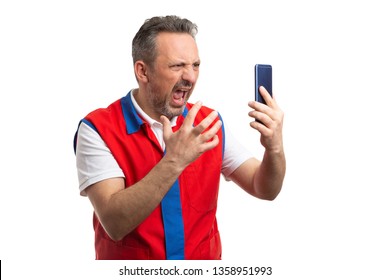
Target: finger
{"type": "Point", "coordinates": [211, 132]}
{"type": "Point", "coordinates": [205, 123]}
{"type": "Point", "coordinates": [266, 96]}
{"type": "Point", "coordinates": [210, 144]}
{"type": "Point", "coordinates": [261, 117]}
{"type": "Point", "coordinates": [259, 107]}
{"type": "Point", "coordinates": [263, 129]}
{"type": "Point", "coordinates": [189, 119]}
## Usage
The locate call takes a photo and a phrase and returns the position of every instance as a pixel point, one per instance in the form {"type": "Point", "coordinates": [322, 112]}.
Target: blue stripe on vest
{"type": "Point", "coordinates": [223, 137]}
{"type": "Point", "coordinates": [77, 132]}
{"type": "Point", "coordinates": [172, 216]}
{"type": "Point", "coordinates": [173, 223]}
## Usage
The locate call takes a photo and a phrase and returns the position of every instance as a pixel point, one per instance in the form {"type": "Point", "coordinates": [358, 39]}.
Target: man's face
{"type": "Point", "coordinates": [174, 75]}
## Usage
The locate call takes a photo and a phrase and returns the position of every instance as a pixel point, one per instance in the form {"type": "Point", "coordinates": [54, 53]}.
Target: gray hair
{"type": "Point", "coordinates": [144, 42]}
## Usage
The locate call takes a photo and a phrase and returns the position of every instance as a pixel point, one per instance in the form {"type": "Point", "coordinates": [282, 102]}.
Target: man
{"type": "Point", "coordinates": [150, 163]}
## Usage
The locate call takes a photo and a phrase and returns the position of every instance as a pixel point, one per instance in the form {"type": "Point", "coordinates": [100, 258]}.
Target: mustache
{"type": "Point", "coordinates": [183, 84]}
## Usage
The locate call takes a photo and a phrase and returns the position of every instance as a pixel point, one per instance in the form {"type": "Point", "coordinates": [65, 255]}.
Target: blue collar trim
{"type": "Point", "coordinates": [133, 121]}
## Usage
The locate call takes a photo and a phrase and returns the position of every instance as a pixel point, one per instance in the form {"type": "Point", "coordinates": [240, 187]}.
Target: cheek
{"type": "Point", "coordinates": [166, 82]}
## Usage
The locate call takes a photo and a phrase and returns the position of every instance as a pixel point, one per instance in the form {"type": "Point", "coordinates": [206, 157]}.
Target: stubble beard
{"type": "Point", "coordinates": [162, 106]}
{"type": "Point", "coordinates": [161, 102]}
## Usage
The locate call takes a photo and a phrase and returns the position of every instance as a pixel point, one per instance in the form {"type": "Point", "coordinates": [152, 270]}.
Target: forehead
{"type": "Point", "coordinates": [176, 46]}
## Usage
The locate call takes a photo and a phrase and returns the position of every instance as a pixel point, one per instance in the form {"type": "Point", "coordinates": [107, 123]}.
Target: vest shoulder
{"type": "Point", "coordinates": [107, 112]}
{"type": "Point", "coordinates": [204, 110]}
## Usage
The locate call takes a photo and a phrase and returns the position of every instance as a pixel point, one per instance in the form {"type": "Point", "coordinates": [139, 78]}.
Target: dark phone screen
{"type": "Point", "coordinates": [263, 77]}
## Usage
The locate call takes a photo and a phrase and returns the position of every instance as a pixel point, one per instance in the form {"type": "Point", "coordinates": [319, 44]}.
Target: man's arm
{"type": "Point", "coordinates": [121, 209]}
{"type": "Point", "coordinates": [264, 179]}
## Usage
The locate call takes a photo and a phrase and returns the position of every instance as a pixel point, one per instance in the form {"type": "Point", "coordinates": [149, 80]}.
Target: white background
{"type": "Point", "coordinates": [61, 59]}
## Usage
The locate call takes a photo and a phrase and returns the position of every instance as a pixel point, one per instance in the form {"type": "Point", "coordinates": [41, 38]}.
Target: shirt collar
{"type": "Point", "coordinates": [135, 116]}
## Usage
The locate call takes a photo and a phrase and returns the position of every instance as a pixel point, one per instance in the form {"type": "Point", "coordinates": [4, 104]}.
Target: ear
{"type": "Point", "coordinates": [140, 70]}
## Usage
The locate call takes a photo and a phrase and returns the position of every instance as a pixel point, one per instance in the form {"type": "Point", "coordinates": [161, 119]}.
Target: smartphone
{"type": "Point", "coordinates": [263, 77]}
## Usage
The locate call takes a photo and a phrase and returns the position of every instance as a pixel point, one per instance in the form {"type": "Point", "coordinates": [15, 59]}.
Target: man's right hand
{"type": "Point", "coordinates": [189, 142]}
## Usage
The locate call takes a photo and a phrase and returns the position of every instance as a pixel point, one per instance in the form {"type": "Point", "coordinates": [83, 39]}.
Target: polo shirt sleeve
{"type": "Point", "coordinates": [235, 154]}
{"type": "Point", "coordinates": [94, 160]}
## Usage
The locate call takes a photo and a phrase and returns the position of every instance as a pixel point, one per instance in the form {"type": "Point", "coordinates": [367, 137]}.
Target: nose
{"type": "Point", "coordinates": [190, 74]}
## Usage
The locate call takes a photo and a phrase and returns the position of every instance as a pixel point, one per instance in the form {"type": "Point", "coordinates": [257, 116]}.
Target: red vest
{"type": "Point", "coordinates": [137, 151]}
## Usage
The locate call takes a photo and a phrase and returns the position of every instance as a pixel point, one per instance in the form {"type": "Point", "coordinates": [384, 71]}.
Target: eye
{"type": "Point", "coordinates": [196, 65]}
{"type": "Point", "coordinates": [176, 66]}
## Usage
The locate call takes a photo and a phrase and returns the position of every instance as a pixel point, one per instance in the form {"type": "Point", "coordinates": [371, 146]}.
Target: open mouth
{"type": "Point", "coordinates": [179, 96]}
